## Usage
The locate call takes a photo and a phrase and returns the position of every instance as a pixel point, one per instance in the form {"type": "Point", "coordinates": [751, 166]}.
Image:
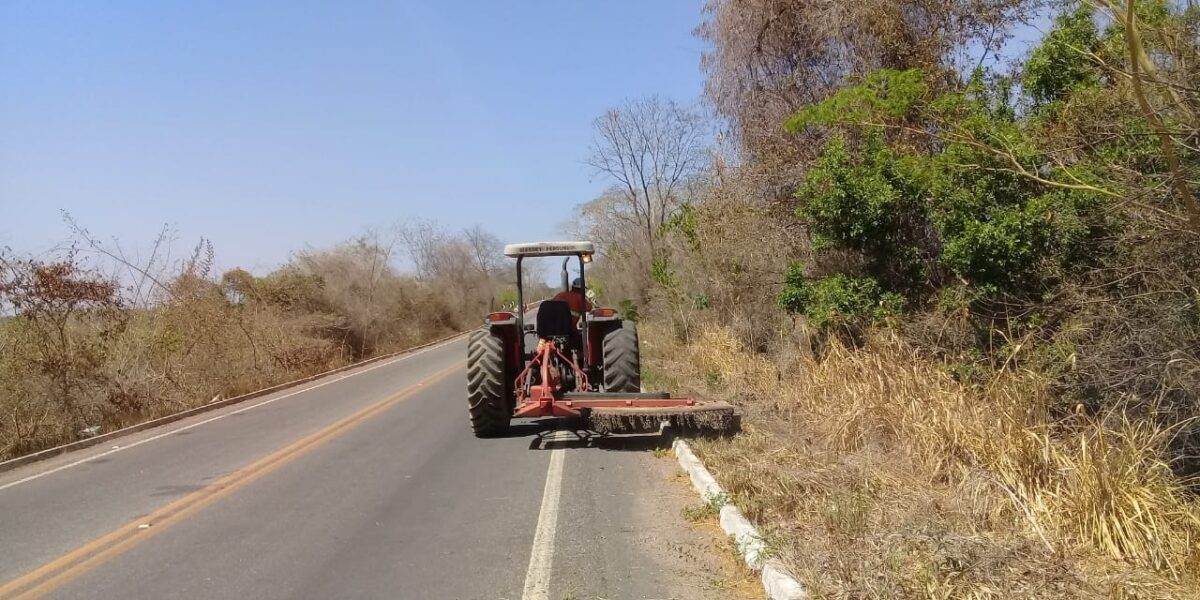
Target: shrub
{"type": "Point", "coordinates": [628, 310]}
{"type": "Point", "coordinates": [861, 201]}
{"type": "Point", "coordinates": [1015, 247]}
{"type": "Point", "coordinates": [838, 299]}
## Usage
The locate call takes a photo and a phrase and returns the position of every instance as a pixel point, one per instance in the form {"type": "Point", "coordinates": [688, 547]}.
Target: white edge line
{"type": "Point", "coordinates": [541, 555]}
{"type": "Point", "coordinates": [778, 584]}
{"type": "Point", "coordinates": [243, 409]}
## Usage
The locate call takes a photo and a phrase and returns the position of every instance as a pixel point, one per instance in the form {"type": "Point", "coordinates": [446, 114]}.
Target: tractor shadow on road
{"type": "Point", "coordinates": [552, 433]}
{"type": "Point", "coordinates": [642, 442]}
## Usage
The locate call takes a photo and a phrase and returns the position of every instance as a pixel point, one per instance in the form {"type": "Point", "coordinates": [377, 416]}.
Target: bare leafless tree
{"type": "Point", "coordinates": [486, 249]}
{"type": "Point", "coordinates": [653, 150]}
{"type": "Point", "coordinates": [606, 222]}
{"type": "Point", "coordinates": [423, 238]}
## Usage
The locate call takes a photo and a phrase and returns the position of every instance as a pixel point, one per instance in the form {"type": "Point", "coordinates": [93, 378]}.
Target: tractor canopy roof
{"type": "Point", "coordinates": [549, 249]}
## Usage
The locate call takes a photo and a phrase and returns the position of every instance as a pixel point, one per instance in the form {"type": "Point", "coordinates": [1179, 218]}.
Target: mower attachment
{"type": "Point", "coordinates": [695, 417]}
{"type": "Point", "coordinates": [634, 413]}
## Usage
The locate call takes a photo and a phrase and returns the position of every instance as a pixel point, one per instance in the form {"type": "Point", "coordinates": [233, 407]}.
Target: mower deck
{"type": "Point", "coordinates": [541, 404]}
{"type": "Point", "coordinates": [698, 417]}
{"type": "Point", "coordinates": [634, 412]}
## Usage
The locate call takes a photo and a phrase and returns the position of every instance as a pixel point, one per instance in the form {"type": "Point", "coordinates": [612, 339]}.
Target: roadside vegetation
{"type": "Point", "coordinates": [92, 339]}
{"type": "Point", "coordinates": [946, 257]}
{"type": "Point", "coordinates": [944, 254]}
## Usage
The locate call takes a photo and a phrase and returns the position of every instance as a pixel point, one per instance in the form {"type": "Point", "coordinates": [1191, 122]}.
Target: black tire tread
{"type": "Point", "coordinates": [487, 398]}
{"type": "Point", "coordinates": [622, 363]}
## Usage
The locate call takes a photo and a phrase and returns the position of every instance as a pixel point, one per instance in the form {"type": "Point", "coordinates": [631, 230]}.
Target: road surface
{"type": "Point", "coordinates": [363, 484]}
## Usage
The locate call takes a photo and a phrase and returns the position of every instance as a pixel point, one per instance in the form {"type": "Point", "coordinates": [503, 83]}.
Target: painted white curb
{"type": "Point", "coordinates": [776, 581]}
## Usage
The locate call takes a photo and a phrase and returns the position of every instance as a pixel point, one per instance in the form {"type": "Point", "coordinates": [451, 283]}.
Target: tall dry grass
{"type": "Point", "coordinates": [85, 350]}
{"type": "Point", "coordinates": [877, 475]}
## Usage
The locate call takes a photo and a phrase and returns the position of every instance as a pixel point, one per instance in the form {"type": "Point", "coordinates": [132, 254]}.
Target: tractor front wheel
{"type": "Point", "coordinates": [622, 363]}
{"type": "Point", "coordinates": [487, 387]}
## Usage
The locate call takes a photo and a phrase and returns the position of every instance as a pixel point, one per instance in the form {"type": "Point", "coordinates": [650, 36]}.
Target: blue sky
{"type": "Point", "coordinates": [267, 126]}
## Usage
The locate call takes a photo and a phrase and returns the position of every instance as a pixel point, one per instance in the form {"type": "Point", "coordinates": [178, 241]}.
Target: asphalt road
{"type": "Point", "coordinates": [364, 484]}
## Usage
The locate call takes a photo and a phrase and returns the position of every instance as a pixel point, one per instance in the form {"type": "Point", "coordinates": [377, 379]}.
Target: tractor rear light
{"type": "Point", "coordinates": [499, 316]}
{"type": "Point", "coordinates": [604, 312]}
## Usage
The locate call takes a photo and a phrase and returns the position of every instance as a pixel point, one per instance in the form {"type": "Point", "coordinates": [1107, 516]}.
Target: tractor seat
{"type": "Point", "coordinates": [554, 320]}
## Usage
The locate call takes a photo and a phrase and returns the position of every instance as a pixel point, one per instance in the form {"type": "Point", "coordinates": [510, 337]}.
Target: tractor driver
{"type": "Point", "coordinates": [576, 300]}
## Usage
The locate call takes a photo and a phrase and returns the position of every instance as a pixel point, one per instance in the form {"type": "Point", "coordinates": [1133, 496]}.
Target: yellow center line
{"type": "Point", "coordinates": [68, 567]}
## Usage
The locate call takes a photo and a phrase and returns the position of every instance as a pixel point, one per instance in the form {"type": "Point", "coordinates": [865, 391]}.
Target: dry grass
{"type": "Point", "coordinates": [82, 352]}
{"type": "Point", "coordinates": [876, 475]}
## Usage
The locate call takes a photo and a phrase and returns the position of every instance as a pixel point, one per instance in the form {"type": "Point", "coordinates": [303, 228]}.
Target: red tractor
{"type": "Point", "coordinates": [583, 366]}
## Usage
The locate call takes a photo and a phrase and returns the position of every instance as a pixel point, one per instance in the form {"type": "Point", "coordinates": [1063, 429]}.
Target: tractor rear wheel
{"type": "Point", "coordinates": [622, 363]}
{"type": "Point", "coordinates": [487, 386]}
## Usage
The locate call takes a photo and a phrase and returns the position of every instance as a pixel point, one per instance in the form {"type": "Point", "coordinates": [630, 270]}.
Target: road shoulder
{"type": "Point", "coordinates": [630, 527]}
